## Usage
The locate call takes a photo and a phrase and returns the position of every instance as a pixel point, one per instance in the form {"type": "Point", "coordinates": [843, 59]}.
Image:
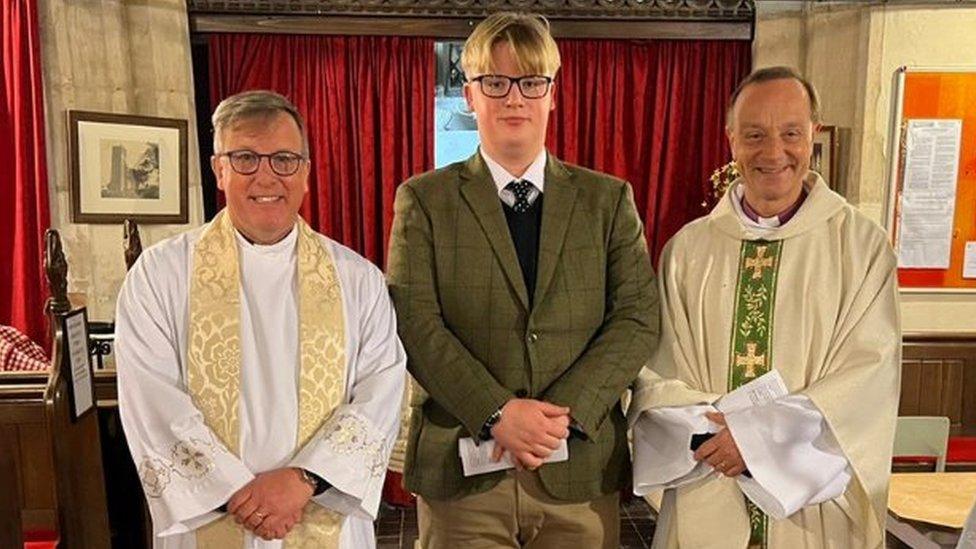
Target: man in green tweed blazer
{"type": "Point", "coordinates": [527, 305]}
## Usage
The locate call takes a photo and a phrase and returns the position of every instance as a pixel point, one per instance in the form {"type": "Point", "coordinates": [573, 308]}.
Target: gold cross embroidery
{"type": "Point", "coordinates": [750, 360]}
{"type": "Point", "coordinates": [758, 263]}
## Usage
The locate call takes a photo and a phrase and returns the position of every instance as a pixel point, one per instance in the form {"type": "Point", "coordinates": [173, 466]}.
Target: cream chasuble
{"type": "Point", "coordinates": [291, 360]}
{"type": "Point", "coordinates": [816, 299]}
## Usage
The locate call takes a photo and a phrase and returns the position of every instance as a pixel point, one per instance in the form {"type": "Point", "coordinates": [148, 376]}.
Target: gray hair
{"type": "Point", "coordinates": [251, 105]}
{"type": "Point", "coordinates": [775, 73]}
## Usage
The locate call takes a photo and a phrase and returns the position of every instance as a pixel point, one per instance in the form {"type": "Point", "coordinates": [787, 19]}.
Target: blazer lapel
{"type": "Point", "coordinates": [479, 191]}
{"type": "Point", "coordinates": [557, 209]}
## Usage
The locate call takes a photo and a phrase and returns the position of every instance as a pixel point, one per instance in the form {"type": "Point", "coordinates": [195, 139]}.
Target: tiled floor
{"type": "Point", "coordinates": [397, 528]}
{"type": "Point", "coordinates": [636, 524]}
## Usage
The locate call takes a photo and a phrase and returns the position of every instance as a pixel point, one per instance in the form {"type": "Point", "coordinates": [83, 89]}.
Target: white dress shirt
{"type": "Point", "coordinates": [535, 174]}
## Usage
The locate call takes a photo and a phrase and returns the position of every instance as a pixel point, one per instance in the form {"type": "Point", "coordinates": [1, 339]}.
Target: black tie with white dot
{"type": "Point", "coordinates": [521, 191]}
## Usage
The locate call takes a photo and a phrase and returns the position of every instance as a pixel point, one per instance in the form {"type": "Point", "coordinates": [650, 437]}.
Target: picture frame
{"type": "Point", "coordinates": [127, 167]}
{"type": "Point", "coordinates": [77, 359]}
{"type": "Point", "coordinates": [825, 155]}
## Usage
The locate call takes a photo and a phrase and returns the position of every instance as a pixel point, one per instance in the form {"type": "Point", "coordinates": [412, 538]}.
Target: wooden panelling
{"type": "Point", "coordinates": [10, 497]}
{"type": "Point", "coordinates": [36, 472]}
{"type": "Point", "coordinates": [939, 379]}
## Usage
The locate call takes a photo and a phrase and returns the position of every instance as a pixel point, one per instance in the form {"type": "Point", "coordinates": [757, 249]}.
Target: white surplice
{"type": "Point", "coordinates": [792, 456]}
{"type": "Point", "coordinates": [351, 449]}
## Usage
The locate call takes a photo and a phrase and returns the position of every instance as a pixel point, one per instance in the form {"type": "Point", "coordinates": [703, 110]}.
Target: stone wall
{"type": "Point", "coordinates": [130, 57]}
{"type": "Point", "coordinates": [851, 52]}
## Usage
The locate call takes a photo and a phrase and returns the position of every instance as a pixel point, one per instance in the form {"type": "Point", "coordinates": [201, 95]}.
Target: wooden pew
{"type": "Point", "coordinates": [82, 503]}
{"type": "Point", "coordinates": [52, 463]}
{"type": "Point", "coordinates": [55, 454]}
{"type": "Point", "coordinates": [27, 497]}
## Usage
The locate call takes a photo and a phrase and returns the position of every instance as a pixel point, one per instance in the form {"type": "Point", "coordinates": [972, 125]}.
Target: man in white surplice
{"type": "Point", "coordinates": [782, 278]}
{"type": "Point", "coordinates": [259, 370]}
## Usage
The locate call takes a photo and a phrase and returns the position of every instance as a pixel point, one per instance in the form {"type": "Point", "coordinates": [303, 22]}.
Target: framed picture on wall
{"type": "Point", "coordinates": [127, 167]}
{"type": "Point", "coordinates": [824, 157]}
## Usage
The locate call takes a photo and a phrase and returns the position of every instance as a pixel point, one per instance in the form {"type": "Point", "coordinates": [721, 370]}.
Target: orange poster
{"type": "Point", "coordinates": [943, 96]}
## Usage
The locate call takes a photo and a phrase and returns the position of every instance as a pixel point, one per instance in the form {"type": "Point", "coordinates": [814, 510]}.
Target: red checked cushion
{"type": "Point", "coordinates": [18, 353]}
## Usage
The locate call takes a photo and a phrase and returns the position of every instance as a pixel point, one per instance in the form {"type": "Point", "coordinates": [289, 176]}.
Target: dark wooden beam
{"type": "Point", "coordinates": [461, 27]}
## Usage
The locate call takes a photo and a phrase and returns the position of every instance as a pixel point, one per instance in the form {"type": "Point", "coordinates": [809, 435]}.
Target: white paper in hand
{"type": "Point", "coordinates": [476, 458]}
{"type": "Point", "coordinates": [762, 390]}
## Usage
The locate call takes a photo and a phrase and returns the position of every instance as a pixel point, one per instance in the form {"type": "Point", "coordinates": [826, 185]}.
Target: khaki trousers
{"type": "Point", "coordinates": [518, 513]}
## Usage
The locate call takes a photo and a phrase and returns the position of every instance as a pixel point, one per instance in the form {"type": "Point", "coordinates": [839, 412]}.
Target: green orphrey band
{"type": "Point", "coordinates": [752, 335]}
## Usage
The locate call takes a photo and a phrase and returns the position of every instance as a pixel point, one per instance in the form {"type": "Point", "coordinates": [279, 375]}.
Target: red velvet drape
{"type": "Point", "coordinates": [651, 112]}
{"type": "Point", "coordinates": [24, 210]}
{"type": "Point", "coordinates": [369, 105]}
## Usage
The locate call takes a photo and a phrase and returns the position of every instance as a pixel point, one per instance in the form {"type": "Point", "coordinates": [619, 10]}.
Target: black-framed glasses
{"type": "Point", "coordinates": [497, 86]}
{"type": "Point", "coordinates": [247, 162]}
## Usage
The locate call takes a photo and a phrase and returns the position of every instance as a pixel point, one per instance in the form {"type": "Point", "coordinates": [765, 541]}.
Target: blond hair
{"type": "Point", "coordinates": [528, 35]}
{"type": "Point", "coordinates": [255, 105]}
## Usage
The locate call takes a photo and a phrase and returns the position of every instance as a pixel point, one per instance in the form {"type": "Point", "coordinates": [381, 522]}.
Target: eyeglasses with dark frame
{"type": "Point", "coordinates": [247, 162]}
{"type": "Point", "coordinates": [497, 86]}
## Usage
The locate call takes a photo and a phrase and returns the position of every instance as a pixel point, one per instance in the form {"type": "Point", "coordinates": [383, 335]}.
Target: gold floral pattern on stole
{"type": "Point", "coordinates": [322, 385]}
{"type": "Point", "coordinates": [214, 352]}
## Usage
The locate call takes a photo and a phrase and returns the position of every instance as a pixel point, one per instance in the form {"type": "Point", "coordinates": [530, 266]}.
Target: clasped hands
{"type": "Point", "coordinates": [272, 503]}
{"type": "Point", "coordinates": [529, 430]}
{"type": "Point", "coordinates": [721, 451]}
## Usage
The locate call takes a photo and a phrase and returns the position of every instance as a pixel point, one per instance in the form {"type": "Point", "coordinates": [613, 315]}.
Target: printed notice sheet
{"type": "Point", "coordinates": [928, 199]}
{"type": "Point", "coordinates": [762, 390]}
{"type": "Point", "coordinates": [969, 263]}
{"type": "Point", "coordinates": [81, 380]}
{"type": "Point", "coordinates": [476, 458]}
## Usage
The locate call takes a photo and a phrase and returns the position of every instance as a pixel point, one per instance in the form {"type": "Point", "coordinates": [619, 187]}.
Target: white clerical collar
{"type": "Point", "coordinates": [760, 222]}
{"type": "Point", "coordinates": [535, 174]}
{"type": "Point", "coordinates": [285, 245]}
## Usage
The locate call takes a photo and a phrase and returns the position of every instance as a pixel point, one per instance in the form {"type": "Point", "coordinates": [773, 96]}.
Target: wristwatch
{"type": "Point", "coordinates": [318, 484]}
{"type": "Point", "coordinates": [493, 419]}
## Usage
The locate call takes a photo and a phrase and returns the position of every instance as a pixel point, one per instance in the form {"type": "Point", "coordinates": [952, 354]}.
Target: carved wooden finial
{"type": "Point", "coordinates": [133, 243]}
{"type": "Point", "coordinates": [56, 267]}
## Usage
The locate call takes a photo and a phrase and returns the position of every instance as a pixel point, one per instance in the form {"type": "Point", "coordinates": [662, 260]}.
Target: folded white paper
{"type": "Point", "coordinates": [476, 458]}
{"type": "Point", "coordinates": [762, 390]}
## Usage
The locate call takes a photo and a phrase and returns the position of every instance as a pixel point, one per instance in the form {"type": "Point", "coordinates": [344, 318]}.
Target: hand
{"type": "Point", "coordinates": [523, 461]}
{"type": "Point", "coordinates": [273, 500]}
{"type": "Point", "coordinates": [720, 451]}
{"type": "Point", "coordinates": [531, 430]}
{"type": "Point", "coordinates": [274, 527]}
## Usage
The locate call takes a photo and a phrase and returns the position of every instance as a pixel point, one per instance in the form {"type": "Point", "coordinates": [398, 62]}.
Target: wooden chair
{"type": "Point", "coordinates": [922, 439]}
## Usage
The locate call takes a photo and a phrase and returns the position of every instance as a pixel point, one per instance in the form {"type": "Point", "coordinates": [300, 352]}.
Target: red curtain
{"type": "Point", "coordinates": [651, 112]}
{"type": "Point", "coordinates": [369, 105]}
{"type": "Point", "coordinates": [24, 210]}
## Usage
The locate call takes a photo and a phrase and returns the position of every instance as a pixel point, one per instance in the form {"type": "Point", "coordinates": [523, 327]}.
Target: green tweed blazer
{"type": "Point", "coordinates": [473, 342]}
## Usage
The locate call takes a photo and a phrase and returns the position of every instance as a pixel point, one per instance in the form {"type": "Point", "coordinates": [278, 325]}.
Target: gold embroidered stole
{"type": "Point", "coordinates": [752, 337]}
{"type": "Point", "coordinates": [214, 361]}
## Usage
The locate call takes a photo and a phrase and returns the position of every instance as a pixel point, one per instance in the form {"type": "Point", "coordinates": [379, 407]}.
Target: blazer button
{"type": "Point", "coordinates": [521, 393]}
{"type": "Point", "coordinates": [533, 337]}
